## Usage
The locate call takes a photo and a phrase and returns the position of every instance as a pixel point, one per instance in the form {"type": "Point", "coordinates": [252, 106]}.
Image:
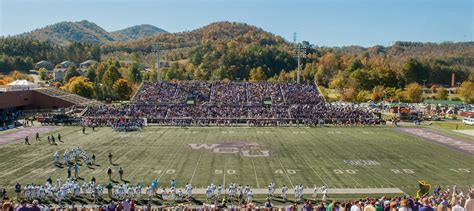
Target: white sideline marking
{"type": "Point", "coordinates": [310, 191]}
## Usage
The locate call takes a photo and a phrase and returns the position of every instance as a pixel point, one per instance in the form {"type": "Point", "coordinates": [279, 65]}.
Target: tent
{"type": "Point", "coordinates": [21, 85]}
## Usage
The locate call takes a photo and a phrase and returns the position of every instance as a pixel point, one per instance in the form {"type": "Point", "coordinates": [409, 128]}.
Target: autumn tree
{"type": "Point", "coordinates": [70, 73]}
{"type": "Point", "coordinates": [467, 91]}
{"type": "Point", "coordinates": [349, 94]}
{"type": "Point", "coordinates": [378, 93]}
{"type": "Point", "coordinates": [363, 96]}
{"type": "Point", "coordinates": [257, 74]}
{"type": "Point", "coordinates": [110, 76]}
{"type": "Point", "coordinates": [43, 74]}
{"type": "Point", "coordinates": [122, 89]}
{"type": "Point", "coordinates": [339, 81]}
{"type": "Point", "coordinates": [442, 93]}
{"type": "Point", "coordinates": [433, 89]}
{"type": "Point", "coordinates": [80, 85]}
{"type": "Point", "coordinates": [414, 93]}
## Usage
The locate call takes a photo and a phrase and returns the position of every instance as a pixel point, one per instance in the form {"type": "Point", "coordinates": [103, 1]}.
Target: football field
{"type": "Point", "coordinates": [358, 157]}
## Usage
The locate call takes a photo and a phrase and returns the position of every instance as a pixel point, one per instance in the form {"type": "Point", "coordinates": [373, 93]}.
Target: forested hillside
{"type": "Point", "coordinates": [136, 32]}
{"type": "Point", "coordinates": [88, 32]}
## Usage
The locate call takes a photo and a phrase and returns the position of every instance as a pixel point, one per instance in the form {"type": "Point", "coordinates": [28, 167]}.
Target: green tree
{"type": "Point", "coordinates": [257, 74]}
{"type": "Point", "coordinates": [134, 74]}
{"type": "Point", "coordinates": [415, 71]}
{"type": "Point", "coordinates": [91, 74]}
{"type": "Point", "coordinates": [172, 73]}
{"type": "Point", "coordinates": [467, 91]}
{"type": "Point", "coordinates": [442, 93]}
{"type": "Point", "coordinates": [122, 89]}
{"type": "Point", "coordinates": [43, 74]}
{"type": "Point", "coordinates": [323, 76]}
{"type": "Point", "coordinates": [70, 73]}
{"type": "Point", "coordinates": [414, 93]}
{"type": "Point", "coordinates": [110, 76]}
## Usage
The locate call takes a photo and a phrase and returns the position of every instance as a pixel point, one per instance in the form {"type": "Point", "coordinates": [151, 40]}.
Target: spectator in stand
{"type": "Point", "coordinates": [23, 206]}
{"type": "Point", "coordinates": [426, 205]}
{"type": "Point", "coordinates": [470, 201]}
{"type": "Point", "coordinates": [225, 103]}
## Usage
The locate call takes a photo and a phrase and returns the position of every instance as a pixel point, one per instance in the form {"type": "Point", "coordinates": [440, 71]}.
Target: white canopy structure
{"type": "Point", "coordinates": [21, 85]}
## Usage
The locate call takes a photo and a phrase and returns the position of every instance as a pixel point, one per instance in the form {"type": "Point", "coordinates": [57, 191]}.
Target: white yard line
{"type": "Point", "coordinates": [307, 163]}
{"type": "Point", "coordinates": [255, 171]}
{"type": "Point", "coordinates": [195, 168]}
{"type": "Point", "coordinates": [288, 176]}
{"type": "Point", "coordinates": [336, 163]}
{"type": "Point", "coordinates": [167, 166]}
{"type": "Point", "coordinates": [225, 170]}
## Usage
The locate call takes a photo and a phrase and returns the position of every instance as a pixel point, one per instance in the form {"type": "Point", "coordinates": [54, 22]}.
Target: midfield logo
{"type": "Point", "coordinates": [245, 149]}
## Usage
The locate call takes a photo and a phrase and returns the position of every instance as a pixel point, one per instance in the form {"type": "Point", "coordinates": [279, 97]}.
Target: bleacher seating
{"type": "Point", "coordinates": [228, 103]}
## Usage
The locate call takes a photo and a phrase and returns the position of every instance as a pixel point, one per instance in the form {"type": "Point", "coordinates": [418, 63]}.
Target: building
{"type": "Point", "coordinates": [65, 64]}
{"type": "Point", "coordinates": [85, 65]}
{"type": "Point", "coordinates": [58, 74]}
{"type": "Point", "coordinates": [44, 64]}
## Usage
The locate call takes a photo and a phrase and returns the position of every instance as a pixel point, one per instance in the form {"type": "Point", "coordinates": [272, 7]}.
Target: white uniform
{"type": "Point", "coordinates": [284, 189]}
{"type": "Point", "coordinates": [325, 192]}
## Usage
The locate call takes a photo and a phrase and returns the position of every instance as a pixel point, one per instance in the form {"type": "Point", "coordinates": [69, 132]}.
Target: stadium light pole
{"type": "Point", "coordinates": [156, 48]}
{"type": "Point", "coordinates": [298, 53]}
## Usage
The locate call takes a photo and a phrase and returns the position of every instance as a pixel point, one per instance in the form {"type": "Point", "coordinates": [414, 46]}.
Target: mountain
{"type": "Point", "coordinates": [65, 32]}
{"type": "Point", "coordinates": [88, 32]}
{"type": "Point", "coordinates": [213, 33]}
{"type": "Point", "coordinates": [137, 32]}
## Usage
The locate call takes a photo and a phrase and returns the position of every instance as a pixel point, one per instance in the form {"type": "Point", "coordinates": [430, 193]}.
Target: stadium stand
{"type": "Point", "coordinates": [229, 103]}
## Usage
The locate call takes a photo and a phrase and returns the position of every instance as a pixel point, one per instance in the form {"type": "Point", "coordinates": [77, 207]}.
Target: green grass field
{"type": "Point", "coordinates": [308, 156]}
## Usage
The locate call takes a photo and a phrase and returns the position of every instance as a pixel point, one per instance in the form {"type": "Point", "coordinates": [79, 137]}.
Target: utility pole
{"type": "Point", "coordinates": [424, 82]}
{"type": "Point", "coordinates": [156, 48]}
{"type": "Point", "coordinates": [299, 51]}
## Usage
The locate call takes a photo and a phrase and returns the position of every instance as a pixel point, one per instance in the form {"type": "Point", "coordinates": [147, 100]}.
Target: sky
{"type": "Point", "coordinates": [321, 22]}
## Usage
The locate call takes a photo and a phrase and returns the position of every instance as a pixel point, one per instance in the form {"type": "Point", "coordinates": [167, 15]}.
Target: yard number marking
{"type": "Point", "coordinates": [288, 171]}
{"type": "Point", "coordinates": [229, 171]}
{"type": "Point", "coordinates": [403, 171]}
{"type": "Point", "coordinates": [168, 171]}
{"type": "Point", "coordinates": [461, 170]}
{"type": "Point", "coordinates": [346, 171]}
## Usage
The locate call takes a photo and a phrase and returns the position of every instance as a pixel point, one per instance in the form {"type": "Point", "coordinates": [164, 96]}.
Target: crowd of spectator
{"type": "Point", "coordinates": [8, 117]}
{"type": "Point", "coordinates": [226, 103]}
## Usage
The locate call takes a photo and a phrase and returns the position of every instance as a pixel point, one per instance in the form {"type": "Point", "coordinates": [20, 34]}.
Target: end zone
{"type": "Point", "coordinates": [451, 142]}
{"type": "Point", "coordinates": [19, 134]}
